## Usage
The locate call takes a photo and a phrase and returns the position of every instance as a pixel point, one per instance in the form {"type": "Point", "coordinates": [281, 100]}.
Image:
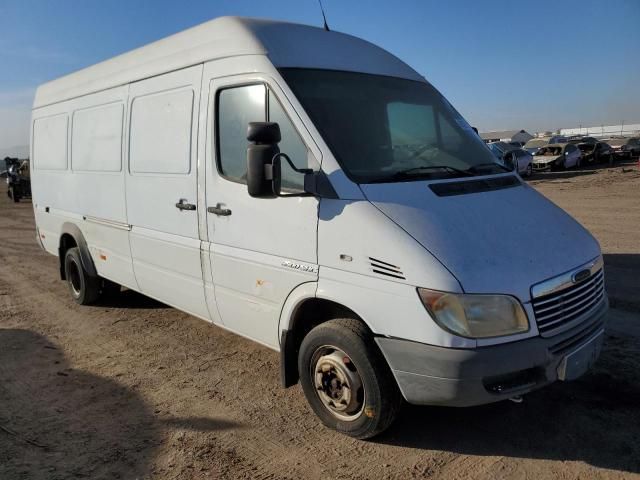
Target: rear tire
{"type": "Point", "coordinates": [346, 380]}
{"type": "Point", "coordinates": [84, 288]}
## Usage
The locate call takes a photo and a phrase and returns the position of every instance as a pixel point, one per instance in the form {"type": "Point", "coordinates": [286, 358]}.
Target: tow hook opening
{"type": "Point", "coordinates": [517, 399]}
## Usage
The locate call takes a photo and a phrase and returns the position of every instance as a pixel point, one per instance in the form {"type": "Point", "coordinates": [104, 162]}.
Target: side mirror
{"type": "Point", "coordinates": [263, 140]}
{"type": "Point", "coordinates": [264, 166]}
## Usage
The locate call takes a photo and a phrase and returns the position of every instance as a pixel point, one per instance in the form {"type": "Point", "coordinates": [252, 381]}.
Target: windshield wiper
{"type": "Point", "coordinates": [422, 171]}
{"type": "Point", "coordinates": [474, 168]}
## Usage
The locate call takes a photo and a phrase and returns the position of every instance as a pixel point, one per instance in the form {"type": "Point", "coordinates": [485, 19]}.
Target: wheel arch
{"type": "Point", "coordinates": [71, 236]}
{"type": "Point", "coordinates": [302, 312]}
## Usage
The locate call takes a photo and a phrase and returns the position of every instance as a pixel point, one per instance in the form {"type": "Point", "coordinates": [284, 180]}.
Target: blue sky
{"type": "Point", "coordinates": [536, 64]}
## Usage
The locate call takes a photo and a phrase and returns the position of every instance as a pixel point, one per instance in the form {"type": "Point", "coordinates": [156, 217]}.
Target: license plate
{"type": "Point", "coordinates": [576, 363]}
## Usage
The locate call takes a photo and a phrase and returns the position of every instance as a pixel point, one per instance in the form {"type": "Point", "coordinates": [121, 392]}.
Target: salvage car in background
{"type": "Point", "coordinates": [557, 156]}
{"type": "Point", "coordinates": [576, 139]}
{"type": "Point", "coordinates": [625, 147]}
{"type": "Point", "coordinates": [535, 144]}
{"type": "Point", "coordinates": [510, 156]}
{"type": "Point", "coordinates": [596, 152]}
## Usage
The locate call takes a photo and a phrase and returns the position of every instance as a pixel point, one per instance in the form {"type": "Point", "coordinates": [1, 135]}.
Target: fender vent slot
{"type": "Point", "coordinates": [387, 269]}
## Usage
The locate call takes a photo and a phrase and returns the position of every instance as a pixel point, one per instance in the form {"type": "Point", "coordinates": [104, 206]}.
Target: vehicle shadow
{"type": "Point", "coordinates": [59, 422]}
{"type": "Point", "coordinates": [130, 299]}
{"type": "Point", "coordinates": [593, 419]}
{"type": "Point", "coordinates": [622, 277]}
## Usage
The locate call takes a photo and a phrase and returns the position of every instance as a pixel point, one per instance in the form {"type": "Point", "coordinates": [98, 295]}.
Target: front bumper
{"type": "Point", "coordinates": [622, 153]}
{"type": "Point", "coordinates": [542, 166]}
{"type": "Point", "coordinates": [430, 375]}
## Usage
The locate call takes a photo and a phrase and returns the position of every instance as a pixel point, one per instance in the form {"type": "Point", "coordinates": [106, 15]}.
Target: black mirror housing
{"type": "Point", "coordinates": [263, 146]}
{"type": "Point", "coordinates": [264, 166]}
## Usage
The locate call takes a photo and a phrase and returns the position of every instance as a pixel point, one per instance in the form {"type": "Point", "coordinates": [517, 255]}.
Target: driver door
{"type": "Point", "coordinates": [259, 249]}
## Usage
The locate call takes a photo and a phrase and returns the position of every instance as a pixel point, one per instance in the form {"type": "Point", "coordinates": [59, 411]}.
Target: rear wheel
{"type": "Point", "coordinates": [84, 288]}
{"type": "Point", "coordinates": [346, 380]}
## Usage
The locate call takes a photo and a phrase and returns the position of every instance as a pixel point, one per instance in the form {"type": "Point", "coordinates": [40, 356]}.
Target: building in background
{"type": "Point", "coordinates": [506, 136]}
{"type": "Point", "coordinates": [626, 130]}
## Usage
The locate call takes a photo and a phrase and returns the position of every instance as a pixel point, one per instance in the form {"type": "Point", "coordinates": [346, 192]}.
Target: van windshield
{"type": "Point", "coordinates": [386, 129]}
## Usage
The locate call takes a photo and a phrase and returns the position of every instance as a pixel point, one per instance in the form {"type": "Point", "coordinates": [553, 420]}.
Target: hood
{"type": "Point", "coordinates": [500, 241]}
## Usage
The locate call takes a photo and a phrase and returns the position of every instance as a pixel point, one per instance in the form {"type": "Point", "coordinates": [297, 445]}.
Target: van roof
{"type": "Point", "coordinates": [286, 45]}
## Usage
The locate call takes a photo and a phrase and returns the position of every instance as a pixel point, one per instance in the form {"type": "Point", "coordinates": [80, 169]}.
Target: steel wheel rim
{"type": "Point", "coordinates": [74, 278]}
{"type": "Point", "coordinates": [337, 383]}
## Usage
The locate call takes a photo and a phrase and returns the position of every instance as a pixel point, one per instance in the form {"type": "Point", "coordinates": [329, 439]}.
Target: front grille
{"type": "Point", "coordinates": [577, 336]}
{"type": "Point", "coordinates": [560, 308]}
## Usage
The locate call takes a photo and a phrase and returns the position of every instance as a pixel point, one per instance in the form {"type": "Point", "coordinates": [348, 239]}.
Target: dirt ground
{"type": "Point", "coordinates": [135, 389]}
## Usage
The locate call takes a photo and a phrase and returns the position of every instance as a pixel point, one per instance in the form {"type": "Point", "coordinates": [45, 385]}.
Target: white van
{"type": "Point", "coordinates": [310, 191]}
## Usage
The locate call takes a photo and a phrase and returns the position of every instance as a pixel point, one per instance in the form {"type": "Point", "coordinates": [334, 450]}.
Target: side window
{"type": "Point", "coordinates": [160, 132]}
{"type": "Point", "coordinates": [236, 108]}
{"type": "Point", "coordinates": [451, 138]}
{"type": "Point", "coordinates": [50, 143]}
{"type": "Point", "coordinates": [291, 144]}
{"type": "Point", "coordinates": [96, 139]}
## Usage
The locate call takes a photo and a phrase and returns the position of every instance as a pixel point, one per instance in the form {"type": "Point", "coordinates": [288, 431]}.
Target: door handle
{"type": "Point", "coordinates": [183, 205]}
{"type": "Point", "coordinates": [218, 210]}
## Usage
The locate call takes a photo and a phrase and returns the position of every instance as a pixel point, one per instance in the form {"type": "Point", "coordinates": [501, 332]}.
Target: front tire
{"type": "Point", "coordinates": [346, 380]}
{"type": "Point", "coordinates": [84, 288]}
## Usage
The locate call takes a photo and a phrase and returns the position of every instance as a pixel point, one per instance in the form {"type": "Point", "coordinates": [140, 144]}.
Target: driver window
{"type": "Point", "coordinates": [237, 106]}
{"type": "Point", "coordinates": [291, 144]}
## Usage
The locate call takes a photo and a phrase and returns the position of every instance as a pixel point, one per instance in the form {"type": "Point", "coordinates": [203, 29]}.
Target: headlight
{"type": "Point", "coordinates": [475, 316]}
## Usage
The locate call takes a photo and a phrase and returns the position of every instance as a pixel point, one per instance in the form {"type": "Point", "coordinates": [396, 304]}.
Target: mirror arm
{"type": "Point", "coordinates": [286, 157]}
{"type": "Point", "coordinates": [315, 183]}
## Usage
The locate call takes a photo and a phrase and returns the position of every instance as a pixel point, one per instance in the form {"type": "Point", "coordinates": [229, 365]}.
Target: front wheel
{"type": "Point", "coordinates": [346, 380]}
